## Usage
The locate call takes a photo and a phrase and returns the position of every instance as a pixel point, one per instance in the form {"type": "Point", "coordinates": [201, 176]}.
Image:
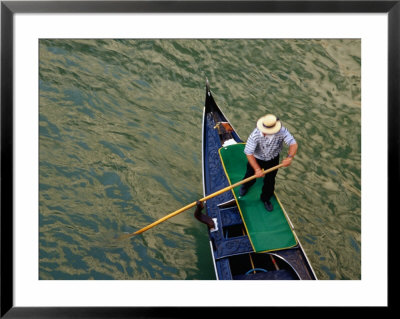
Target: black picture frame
{"type": "Point", "coordinates": [9, 8]}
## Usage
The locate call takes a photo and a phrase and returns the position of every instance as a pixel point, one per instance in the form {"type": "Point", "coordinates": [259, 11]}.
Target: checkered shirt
{"type": "Point", "coordinates": [265, 148]}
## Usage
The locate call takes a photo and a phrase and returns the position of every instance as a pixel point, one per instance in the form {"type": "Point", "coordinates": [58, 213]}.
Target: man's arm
{"type": "Point", "coordinates": [292, 152]}
{"type": "Point", "coordinates": [253, 162]}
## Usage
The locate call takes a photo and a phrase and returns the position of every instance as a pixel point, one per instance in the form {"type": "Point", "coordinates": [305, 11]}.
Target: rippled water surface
{"type": "Point", "coordinates": [120, 147]}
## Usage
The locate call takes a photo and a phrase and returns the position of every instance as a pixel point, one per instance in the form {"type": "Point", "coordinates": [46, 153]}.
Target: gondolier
{"type": "Point", "coordinates": [262, 149]}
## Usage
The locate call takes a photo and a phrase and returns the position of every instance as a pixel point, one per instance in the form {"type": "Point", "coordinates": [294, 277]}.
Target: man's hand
{"type": "Point", "coordinates": [259, 172]}
{"type": "Point", "coordinates": [253, 163]}
{"type": "Point", "coordinates": [287, 161]}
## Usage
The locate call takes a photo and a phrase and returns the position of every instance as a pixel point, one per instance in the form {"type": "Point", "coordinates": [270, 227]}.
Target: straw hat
{"type": "Point", "coordinates": [269, 124]}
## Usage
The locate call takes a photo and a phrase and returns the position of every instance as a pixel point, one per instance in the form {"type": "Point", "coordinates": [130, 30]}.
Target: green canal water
{"type": "Point", "coordinates": [120, 147]}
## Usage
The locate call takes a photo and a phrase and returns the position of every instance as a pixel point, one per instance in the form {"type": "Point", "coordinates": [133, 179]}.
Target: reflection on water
{"type": "Point", "coordinates": [120, 147]}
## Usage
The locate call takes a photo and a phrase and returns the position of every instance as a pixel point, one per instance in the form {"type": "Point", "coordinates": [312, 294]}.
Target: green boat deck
{"type": "Point", "coordinates": [268, 231]}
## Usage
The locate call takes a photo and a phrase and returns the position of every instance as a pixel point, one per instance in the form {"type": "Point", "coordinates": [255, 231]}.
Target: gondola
{"type": "Point", "coordinates": [233, 251]}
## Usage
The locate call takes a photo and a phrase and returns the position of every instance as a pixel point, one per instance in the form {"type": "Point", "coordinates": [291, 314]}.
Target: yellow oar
{"type": "Point", "coordinates": [201, 200]}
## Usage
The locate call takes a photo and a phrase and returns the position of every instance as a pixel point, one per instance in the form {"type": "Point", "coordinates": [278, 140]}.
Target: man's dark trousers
{"type": "Point", "coordinates": [269, 179]}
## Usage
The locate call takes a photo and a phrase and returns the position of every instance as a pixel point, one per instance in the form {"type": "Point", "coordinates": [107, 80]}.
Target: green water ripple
{"type": "Point", "coordinates": [120, 146]}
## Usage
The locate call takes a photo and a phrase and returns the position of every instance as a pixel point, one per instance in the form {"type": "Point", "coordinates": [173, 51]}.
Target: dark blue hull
{"type": "Point", "coordinates": [232, 252]}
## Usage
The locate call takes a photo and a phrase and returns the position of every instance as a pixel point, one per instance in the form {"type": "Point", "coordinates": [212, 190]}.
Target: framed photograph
{"type": "Point", "coordinates": [101, 134]}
